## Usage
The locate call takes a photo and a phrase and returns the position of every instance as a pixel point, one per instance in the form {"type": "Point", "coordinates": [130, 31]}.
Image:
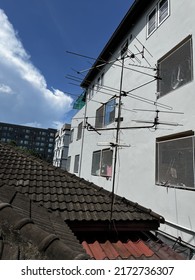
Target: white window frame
{"type": "Point", "coordinates": [155, 19]}
{"type": "Point", "coordinates": [168, 12]}
{"type": "Point", "coordinates": [156, 9]}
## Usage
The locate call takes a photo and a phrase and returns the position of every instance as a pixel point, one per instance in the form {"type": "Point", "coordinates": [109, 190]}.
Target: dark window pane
{"type": "Point", "coordinates": [175, 164]}
{"type": "Point", "coordinates": [76, 164]}
{"type": "Point", "coordinates": [109, 112]}
{"type": "Point", "coordinates": [175, 69]}
{"type": "Point", "coordinates": [96, 163]}
{"type": "Point", "coordinates": [106, 163]}
{"type": "Point", "coordinates": [99, 117]}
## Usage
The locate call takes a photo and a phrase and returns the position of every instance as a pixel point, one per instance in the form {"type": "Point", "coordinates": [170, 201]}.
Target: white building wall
{"type": "Point", "coordinates": [62, 141]}
{"type": "Point", "coordinates": [135, 178]}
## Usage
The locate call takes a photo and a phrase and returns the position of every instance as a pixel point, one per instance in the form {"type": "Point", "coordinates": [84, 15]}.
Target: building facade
{"type": "Point", "coordinates": [39, 141]}
{"type": "Point", "coordinates": [62, 141]}
{"type": "Point", "coordinates": [136, 137]}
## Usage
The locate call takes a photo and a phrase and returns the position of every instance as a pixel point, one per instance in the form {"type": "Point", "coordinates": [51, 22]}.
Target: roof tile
{"type": "Point", "coordinates": [63, 192]}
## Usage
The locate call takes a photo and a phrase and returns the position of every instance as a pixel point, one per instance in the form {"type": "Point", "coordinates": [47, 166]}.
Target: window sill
{"type": "Point", "coordinates": [175, 187]}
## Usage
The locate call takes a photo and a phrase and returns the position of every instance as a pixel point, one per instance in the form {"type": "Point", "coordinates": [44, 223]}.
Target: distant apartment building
{"type": "Point", "coordinates": [39, 140]}
{"type": "Point", "coordinates": [62, 140]}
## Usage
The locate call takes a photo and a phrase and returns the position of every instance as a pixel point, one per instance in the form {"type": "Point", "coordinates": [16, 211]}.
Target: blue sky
{"type": "Point", "coordinates": [35, 36]}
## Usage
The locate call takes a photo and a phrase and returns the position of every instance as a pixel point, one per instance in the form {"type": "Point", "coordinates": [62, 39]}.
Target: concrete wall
{"type": "Point", "coordinates": [135, 176]}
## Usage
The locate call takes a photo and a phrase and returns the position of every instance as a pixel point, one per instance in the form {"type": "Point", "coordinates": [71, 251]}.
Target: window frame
{"type": "Point", "coordinates": [156, 10]}
{"type": "Point", "coordinates": [79, 130]}
{"type": "Point", "coordinates": [168, 12]}
{"type": "Point", "coordinates": [76, 163]}
{"type": "Point", "coordinates": [102, 164]}
{"type": "Point", "coordinates": [96, 171]}
{"type": "Point", "coordinates": [68, 162]}
{"type": "Point", "coordinates": [71, 135]}
{"type": "Point", "coordinates": [102, 120]}
{"type": "Point", "coordinates": [168, 56]}
{"type": "Point", "coordinates": [108, 113]}
{"type": "Point", "coordinates": [174, 165]}
{"type": "Point", "coordinates": [148, 21]}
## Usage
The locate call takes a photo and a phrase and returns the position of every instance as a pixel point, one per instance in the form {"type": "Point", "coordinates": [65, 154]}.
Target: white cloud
{"type": "Point", "coordinates": [5, 89]}
{"type": "Point", "coordinates": [31, 101]}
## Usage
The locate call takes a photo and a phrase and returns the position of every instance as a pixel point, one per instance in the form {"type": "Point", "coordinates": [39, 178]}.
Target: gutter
{"type": "Point", "coordinates": [176, 226]}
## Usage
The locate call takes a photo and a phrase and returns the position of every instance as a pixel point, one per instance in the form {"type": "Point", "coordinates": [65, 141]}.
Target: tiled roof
{"type": "Point", "coordinates": [39, 202]}
{"type": "Point", "coordinates": [62, 192]}
{"type": "Point", "coordinates": [131, 250]}
{"type": "Point", "coordinates": [29, 231]}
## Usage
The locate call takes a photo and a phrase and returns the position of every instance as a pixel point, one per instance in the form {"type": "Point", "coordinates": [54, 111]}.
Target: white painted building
{"type": "Point", "coordinates": [146, 70]}
{"type": "Point", "coordinates": [62, 140]}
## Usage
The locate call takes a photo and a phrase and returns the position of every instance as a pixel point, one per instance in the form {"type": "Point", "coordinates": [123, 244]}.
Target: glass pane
{"type": "Point", "coordinates": [152, 22]}
{"type": "Point", "coordinates": [76, 164]}
{"type": "Point", "coordinates": [68, 164]}
{"type": "Point", "coordinates": [163, 10]}
{"type": "Point", "coordinates": [109, 112]}
{"type": "Point", "coordinates": [106, 163]}
{"type": "Point", "coordinates": [95, 170]}
{"type": "Point", "coordinates": [175, 163]}
{"type": "Point", "coordinates": [79, 132]}
{"type": "Point", "coordinates": [99, 117]}
{"type": "Point", "coordinates": [176, 69]}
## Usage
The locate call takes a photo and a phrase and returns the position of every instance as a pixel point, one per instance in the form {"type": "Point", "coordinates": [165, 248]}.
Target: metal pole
{"type": "Point", "coordinates": [117, 137]}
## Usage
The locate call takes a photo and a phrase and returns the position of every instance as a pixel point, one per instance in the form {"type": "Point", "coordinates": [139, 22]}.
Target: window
{"type": "Point", "coordinates": [175, 162]}
{"type": "Point", "coordinates": [68, 163]}
{"type": "Point", "coordinates": [100, 81]}
{"type": "Point", "coordinates": [105, 115]}
{"type": "Point", "coordinates": [102, 163]}
{"type": "Point", "coordinates": [79, 132]}
{"type": "Point", "coordinates": [152, 21]}
{"type": "Point", "coordinates": [66, 139]}
{"type": "Point", "coordinates": [71, 135]}
{"type": "Point", "coordinates": [175, 69]}
{"type": "Point", "coordinates": [109, 112]}
{"type": "Point", "coordinates": [76, 164]}
{"type": "Point", "coordinates": [99, 120]}
{"type": "Point", "coordinates": [157, 16]}
{"type": "Point", "coordinates": [163, 8]}
{"type": "Point", "coordinates": [96, 163]}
